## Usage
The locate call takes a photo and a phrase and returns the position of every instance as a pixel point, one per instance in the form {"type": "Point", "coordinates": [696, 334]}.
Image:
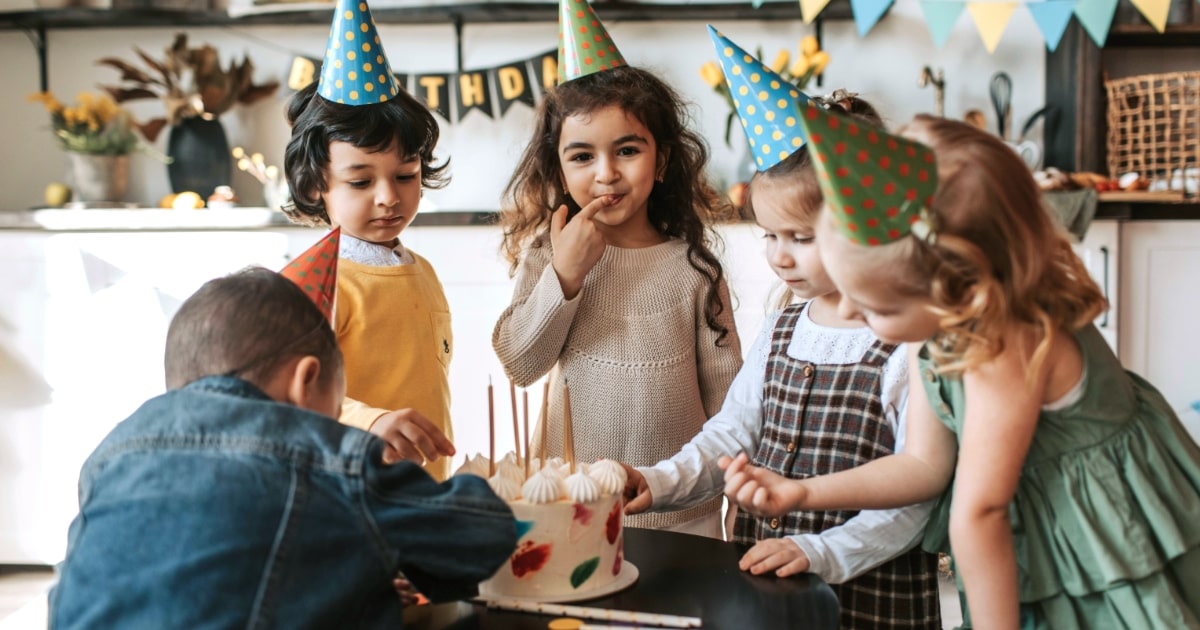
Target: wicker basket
{"type": "Point", "coordinates": [1154, 128]}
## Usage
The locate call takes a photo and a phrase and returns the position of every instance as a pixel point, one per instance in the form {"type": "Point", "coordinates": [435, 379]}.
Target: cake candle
{"type": "Point", "coordinates": [568, 430]}
{"type": "Point", "coordinates": [543, 420]}
{"type": "Point", "coordinates": [525, 416]}
{"type": "Point", "coordinates": [491, 432]}
{"type": "Point", "coordinates": [512, 394]}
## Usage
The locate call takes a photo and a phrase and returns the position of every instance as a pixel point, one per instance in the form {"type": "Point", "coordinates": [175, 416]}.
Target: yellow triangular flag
{"type": "Point", "coordinates": [1155, 12]}
{"type": "Point", "coordinates": [991, 18]}
{"type": "Point", "coordinates": [810, 9]}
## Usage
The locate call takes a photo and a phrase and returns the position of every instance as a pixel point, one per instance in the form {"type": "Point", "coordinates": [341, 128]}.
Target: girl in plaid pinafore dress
{"type": "Point", "coordinates": [820, 419]}
{"type": "Point", "coordinates": [817, 393]}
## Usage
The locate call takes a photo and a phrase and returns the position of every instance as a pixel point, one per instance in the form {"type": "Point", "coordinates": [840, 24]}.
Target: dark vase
{"type": "Point", "coordinates": [200, 159]}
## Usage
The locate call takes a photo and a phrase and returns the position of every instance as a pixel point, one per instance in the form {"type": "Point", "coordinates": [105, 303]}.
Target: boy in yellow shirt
{"type": "Point", "coordinates": [360, 154]}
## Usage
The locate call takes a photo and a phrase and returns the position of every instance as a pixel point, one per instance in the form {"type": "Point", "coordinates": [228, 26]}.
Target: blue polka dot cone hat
{"type": "Point", "coordinates": [315, 271]}
{"type": "Point", "coordinates": [767, 104]}
{"type": "Point", "coordinates": [584, 45]}
{"type": "Point", "coordinates": [355, 70]}
{"type": "Point", "coordinates": [878, 186]}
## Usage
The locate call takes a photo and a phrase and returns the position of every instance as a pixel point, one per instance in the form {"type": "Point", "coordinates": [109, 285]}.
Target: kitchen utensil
{"type": "Point", "coordinates": [1001, 92]}
{"type": "Point", "coordinates": [1032, 120]}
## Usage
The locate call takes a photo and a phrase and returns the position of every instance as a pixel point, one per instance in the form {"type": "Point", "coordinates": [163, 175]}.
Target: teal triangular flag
{"type": "Point", "coordinates": [867, 13]}
{"type": "Point", "coordinates": [940, 16]}
{"type": "Point", "coordinates": [1096, 16]}
{"type": "Point", "coordinates": [1052, 17]}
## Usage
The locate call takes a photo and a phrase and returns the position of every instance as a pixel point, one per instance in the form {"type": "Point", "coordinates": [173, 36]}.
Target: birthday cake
{"type": "Point", "coordinates": [569, 528]}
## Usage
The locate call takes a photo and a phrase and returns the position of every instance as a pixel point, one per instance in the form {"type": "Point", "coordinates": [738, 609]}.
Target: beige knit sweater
{"type": "Point", "coordinates": [643, 368]}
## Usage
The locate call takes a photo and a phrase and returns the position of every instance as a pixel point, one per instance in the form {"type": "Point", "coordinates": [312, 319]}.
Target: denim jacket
{"type": "Point", "coordinates": [213, 506]}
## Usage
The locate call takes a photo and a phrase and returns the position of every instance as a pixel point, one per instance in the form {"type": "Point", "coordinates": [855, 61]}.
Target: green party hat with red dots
{"type": "Point", "coordinates": [767, 104]}
{"type": "Point", "coordinates": [355, 70]}
{"type": "Point", "coordinates": [315, 271]}
{"type": "Point", "coordinates": [584, 45]}
{"type": "Point", "coordinates": [878, 186]}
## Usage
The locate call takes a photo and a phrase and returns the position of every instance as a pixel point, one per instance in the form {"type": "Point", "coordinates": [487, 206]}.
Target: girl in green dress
{"type": "Point", "coordinates": [1070, 492]}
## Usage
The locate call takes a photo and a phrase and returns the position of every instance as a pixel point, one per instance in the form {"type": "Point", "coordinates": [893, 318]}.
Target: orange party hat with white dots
{"type": "Point", "coordinates": [355, 70]}
{"type": "Point", "coordinates": [878, 186]}
{"type": "Point", "coordinates": [584, 45]}
{"type": "Point", "coordinates": [315, 271]}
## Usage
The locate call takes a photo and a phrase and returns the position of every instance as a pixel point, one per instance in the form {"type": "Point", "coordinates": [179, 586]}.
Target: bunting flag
{"type": "Point", "coordinates": [474, 93]}
{"type": "Point", "coordinates": [1155, 12]}
{"type": "Point", "coordinates": [1096, 17]}
{"type": "Point", "coordinates": [810, 9]}
{"type": "Point", "coordinates": [434, 91]}
{"type": "Point", "coordinates": [867, 13]}
{"type": "Point", "coordinates": [991, 18]}
{"type": "Point", "coordinates": [1052, 18]}
{"type": "Point", "coordinates": [940, 16]}
{"type": "Point", "coordinates": [512, 86]}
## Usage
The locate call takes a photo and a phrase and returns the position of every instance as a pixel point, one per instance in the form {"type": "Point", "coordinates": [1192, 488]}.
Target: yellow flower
{"type": "Point", "coordinates": [800, 67]}
{"type": "Point", "coordinates": [712, 74]}
{"type": "Point", "coordinates": [809, 45]}
{"type": "Point", "coordinates": [819, 61]}
{"type": "Point", "coordinates": [781, 61]}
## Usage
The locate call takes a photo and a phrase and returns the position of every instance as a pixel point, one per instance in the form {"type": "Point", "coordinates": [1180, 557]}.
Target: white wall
{"type": "Point", "coordinates": [884, 67]}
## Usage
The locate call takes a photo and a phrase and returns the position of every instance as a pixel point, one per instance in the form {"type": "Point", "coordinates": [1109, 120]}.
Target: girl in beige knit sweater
{"type": "Point", "coordinates": [606, 229]}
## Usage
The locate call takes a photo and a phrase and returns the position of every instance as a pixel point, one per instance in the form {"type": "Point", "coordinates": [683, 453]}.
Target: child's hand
{"type": "Point", "coordinates": [781, 555]}
{"type": "Point", "coordinates": [408, 593]}
{"type": "Point", "coordinates": [577, 245]}
{"type": "Point", "coordinates": [411, 436]}
{"type": "Point", "coordinates": [760, 491]}
{"type": "Point", "coordinates": [637, 493]}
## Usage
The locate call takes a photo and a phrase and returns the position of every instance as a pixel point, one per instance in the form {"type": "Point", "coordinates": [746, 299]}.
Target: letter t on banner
{"type": "Point", "coordinates": [434, 91]}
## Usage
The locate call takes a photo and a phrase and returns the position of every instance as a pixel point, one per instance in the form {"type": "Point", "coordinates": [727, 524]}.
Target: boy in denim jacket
{"type": "Point", "coordinates": [235, 499]}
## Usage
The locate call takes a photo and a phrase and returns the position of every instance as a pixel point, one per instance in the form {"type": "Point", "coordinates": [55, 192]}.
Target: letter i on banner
{"type": "Point", "coordinates": [434, 91]}
{"type": "Point", "coordinates": [512, 85]}
{"type": "Point", "coordinates": [474, 92]}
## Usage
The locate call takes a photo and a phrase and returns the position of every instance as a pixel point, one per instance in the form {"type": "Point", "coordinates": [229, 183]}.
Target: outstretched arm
{"type": "Point", "coordinates": [919, 473]}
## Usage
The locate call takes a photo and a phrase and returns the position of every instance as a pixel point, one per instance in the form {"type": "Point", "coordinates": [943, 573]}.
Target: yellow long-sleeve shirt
{"type": "Point", "coordinates": [393, 326]}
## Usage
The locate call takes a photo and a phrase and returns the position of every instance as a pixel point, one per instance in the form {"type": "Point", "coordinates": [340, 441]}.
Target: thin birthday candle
{"type": "Point", "coordinates": [512, 393]}
{"type": "Point", "coordinates": [568, 430]}
{"type": "Point", "coordinates": [525, 415]}
{"type": "Point", "coordinates": [491, 432]}
{"type": "Point", "coordinates": [544, 420]}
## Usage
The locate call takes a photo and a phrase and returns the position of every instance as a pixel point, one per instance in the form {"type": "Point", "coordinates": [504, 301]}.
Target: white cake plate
{"type": "Point", "coordinates": [625, 579]}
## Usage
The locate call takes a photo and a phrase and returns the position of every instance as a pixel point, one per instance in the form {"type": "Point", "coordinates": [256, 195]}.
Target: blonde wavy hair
{"type": "Point", "coordinates": [997, 258]}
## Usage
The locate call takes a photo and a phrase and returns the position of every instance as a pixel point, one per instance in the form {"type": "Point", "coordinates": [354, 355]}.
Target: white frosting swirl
{"type": "Point", "coordinates": [512, 470]}
{"type": "Point", "coordinates": [610, 475]}
{"type": "Point", "coordinates": [477, 466]}
{"type": "Point", "coordinates": [555, 462]}
{"type": "Point", "coordinates": [505, 487]}
{"type": "Point", "coordinates": [542, 488]}
{"type": "Point", "coordinates": [553, 471]}
{"type": "Point", "coordinates": [582, 488]}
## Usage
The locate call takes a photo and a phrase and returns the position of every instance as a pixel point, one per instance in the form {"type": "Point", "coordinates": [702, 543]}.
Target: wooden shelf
{"type": "Point", "coordinates": [1144, 35]}
{"type": "Point", "coordinates": [481, 12]}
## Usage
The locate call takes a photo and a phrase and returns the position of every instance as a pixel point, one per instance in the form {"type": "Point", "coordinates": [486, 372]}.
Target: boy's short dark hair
{"type": "Point", "coordinates": [245, 325]}
{"type": "Point", "coordinates": [317, 122]}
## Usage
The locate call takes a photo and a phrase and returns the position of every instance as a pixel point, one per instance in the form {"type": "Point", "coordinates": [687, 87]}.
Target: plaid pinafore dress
{"type": "Point", "coordinates": [821, 419]}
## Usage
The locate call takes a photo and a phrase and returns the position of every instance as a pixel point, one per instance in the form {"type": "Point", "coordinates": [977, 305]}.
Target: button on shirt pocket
{"type": "Point", "coordinates": [443, 337]}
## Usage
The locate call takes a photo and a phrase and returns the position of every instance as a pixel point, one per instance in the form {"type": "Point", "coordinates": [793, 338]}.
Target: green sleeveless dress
{"type": "Point", "coordinates": [1106, 516]}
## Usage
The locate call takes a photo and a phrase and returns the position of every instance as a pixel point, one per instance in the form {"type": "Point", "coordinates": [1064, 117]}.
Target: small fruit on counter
{"type": "Point", "coordinates": [57, 194]}
{"type": "Point", "coordinates": [167, 202]}
{"type": "Point", "coordinates": [187, 200]}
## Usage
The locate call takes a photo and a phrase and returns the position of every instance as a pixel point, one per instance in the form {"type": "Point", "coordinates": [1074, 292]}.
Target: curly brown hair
{"type": "Point", "coordinates": [998, 257]}
{"type": "Point", "coordinates": [402, 122]}
{"type": "Point", "coordinates": [683, 205]}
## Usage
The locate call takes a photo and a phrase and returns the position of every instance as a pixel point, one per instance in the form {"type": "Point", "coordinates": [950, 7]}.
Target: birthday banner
{"type": "Point", "coordinates": [454, 95]}
{"type": "Point", "coordinates": [991, 18]}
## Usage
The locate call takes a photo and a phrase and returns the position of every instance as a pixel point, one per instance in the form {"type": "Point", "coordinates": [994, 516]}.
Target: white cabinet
{"type": "Point", "coordinates": [1160, 299]}
{"type": "Point", "coordinates": [1101, 254]}
{"type": "Point", "coordinates": [87, 314]}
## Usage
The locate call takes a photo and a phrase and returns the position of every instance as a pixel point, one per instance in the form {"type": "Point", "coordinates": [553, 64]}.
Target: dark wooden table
{"type": "Point", "coordinates": [679, 574]}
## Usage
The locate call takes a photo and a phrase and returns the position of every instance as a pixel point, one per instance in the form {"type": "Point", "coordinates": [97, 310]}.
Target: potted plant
{"type": "Point", "coordinates": [195, 90]}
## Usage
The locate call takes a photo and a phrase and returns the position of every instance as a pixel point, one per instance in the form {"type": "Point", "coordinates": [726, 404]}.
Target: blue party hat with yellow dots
{"type": "Point", "coordinates": [768, 105]}
{"type": "Point", "coordinates": [355, 70]}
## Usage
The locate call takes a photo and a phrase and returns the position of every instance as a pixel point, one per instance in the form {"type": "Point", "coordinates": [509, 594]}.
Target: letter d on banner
{"type": "Point", "coordinates": [512, 83]}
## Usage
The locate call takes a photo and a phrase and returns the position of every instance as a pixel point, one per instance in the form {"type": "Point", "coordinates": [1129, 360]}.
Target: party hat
{"type": "Point", "coordinates": [584, 45]}
{"type": "Point", "coordinates": [878, 186]}
{"type": "Point", "coordinates": [315, 271]}
{"type": "Point", "coordinates": [355, 70]}
{"type": "Point", "coordinates": [767, 104]}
